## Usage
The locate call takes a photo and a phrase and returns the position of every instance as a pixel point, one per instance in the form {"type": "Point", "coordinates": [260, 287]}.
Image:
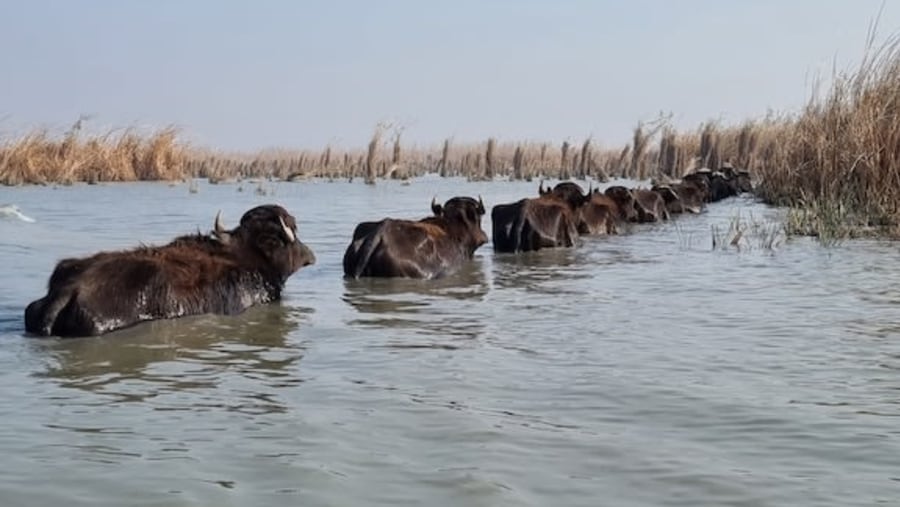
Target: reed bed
{"type": "Point", "coordinates": [836, 162]}
{"type": "Point", "coordinates": [40, 158]}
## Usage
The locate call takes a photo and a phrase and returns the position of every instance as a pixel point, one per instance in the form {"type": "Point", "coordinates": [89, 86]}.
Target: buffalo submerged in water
{"type": "Point", "coordinates": [429, 248]}
{"type": "Point", "coordinates": [225, 272]}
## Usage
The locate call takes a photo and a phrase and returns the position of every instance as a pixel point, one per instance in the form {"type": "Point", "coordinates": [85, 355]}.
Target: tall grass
{"type": "Point", "coordinates": [842, 153]}
{"type": "Point", "coordinates": [41, 158]}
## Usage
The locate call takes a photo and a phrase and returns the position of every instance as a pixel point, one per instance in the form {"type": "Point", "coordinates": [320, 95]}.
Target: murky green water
{"type": "Point", "coordinates": [643, 369]}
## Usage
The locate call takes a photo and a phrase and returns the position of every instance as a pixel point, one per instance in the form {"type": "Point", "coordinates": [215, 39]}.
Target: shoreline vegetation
{"type": "Point", "coordinates": [835, 163]}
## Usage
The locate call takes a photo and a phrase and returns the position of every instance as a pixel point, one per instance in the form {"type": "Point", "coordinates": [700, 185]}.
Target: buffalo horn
{"type": "Point", "coordinates": [287, 231]}
{"type": "Point", "coordinates": [219, 228]}
{"type": "Point", "coordinates": [435, 207]}
{"type": "Point", "coordinates": [480, 205]}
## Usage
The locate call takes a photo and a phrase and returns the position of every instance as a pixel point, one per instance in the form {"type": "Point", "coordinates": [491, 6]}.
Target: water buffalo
{"type": "Point", "coordinates": [532, 224]}
{"type": "Point", "coordinates": [594, 213]}
{"type": "Point", "coordinates": [700, 180]}
{"type": "Point", "coordinates": [721, 184]}
{"type": "Point", "coordinates": [599, 216]}
{"type": "Point", "coordinates": [682, 197]}
{"type": "Point", "coordinates": [568, 192]}
{"type": "Point", "coordinates": [429, 248]}
{"type": "Point", "coordinates": [224, 272]}
{"type": "Point", "coordinates": [650, 205]}
{"type": "Point", "coordinates": [742, 181]}
{"type": "Point", "coordinates": [619, 202]}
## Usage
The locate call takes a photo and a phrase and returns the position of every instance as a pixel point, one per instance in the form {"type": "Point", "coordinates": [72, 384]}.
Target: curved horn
{"type": "Point", "coordinates": [480, 205]}
{"type": "Point", "coordinates": [435, 207]}
{"type": "Point", "coordinates": [541, 187]}
{"type": "Point", "coordinates": [287, 231]}
{"type": "Point", "coordinates": [219, 230]}
{"type": "Point", "coordinates": [219, 227]}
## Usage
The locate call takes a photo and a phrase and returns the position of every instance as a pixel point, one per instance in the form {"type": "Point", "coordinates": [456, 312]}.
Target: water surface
{"type": "Point", "coordinates": [642, 369]}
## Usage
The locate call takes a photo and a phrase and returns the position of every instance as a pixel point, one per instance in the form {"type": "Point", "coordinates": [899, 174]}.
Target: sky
{"type": "Point", "coordinates": [305, 74]}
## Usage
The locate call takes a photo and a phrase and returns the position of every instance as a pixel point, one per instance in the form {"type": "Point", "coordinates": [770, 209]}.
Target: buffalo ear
{"type": "Point", "coordinates": [435, 207]}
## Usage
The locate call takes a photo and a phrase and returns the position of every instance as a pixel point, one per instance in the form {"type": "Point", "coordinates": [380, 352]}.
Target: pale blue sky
{"type": "Point", "coordinates": [247, 75]}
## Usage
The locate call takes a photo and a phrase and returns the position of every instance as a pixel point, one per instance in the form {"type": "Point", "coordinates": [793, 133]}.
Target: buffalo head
{"type": "Point", "coordinates": [466, 212]}
{"type": "Point", "coordinates": [268, 233]}
{"type": "Point", "coordinates": [742, 180]}
{"type": "Point", "coordinates": [701, 181]}
{"type": "Point", "coordinates": [624, 198]}
{"type": "Point", "coordinates": [668, 194]}
{"type": "Point", "coordinates": [569, 192]}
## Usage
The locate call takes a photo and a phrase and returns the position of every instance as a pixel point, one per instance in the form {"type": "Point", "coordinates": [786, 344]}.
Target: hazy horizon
{"type": "Point", "coordinates": [237, 76]}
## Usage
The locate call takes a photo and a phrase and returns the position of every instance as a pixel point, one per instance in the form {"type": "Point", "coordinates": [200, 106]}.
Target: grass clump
{"type": "Point", "coordinates": [41, 158]}
{"type": "Point", "coordinates": [743, 234]}
{"type": "Point", "coordinates": [838, 162]}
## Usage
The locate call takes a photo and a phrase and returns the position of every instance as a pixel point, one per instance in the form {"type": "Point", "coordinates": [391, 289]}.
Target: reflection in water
{"type": "Point", "coordinates": [426, 307]}
{"type": "Point", "coordinates": [180, 354]}
{"type": "Point", "coordinates": [544, 271]}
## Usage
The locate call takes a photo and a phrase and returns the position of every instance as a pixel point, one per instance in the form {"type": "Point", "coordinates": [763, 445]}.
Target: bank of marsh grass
{"type": "Point", "coordinates": [40, 158]}
{"type": "Point", "coordinates": [836, 162]}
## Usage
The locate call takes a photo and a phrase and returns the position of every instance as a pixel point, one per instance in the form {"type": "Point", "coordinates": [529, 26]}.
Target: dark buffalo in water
{"type": "Point", "coordinates": [650, 205]}
{"type": "Point", "coordinates": [600, 216]}
{"type": "Point", "coordinates": [224, 273]}
{"type": "Point", "coordinates": [721, 184]}
{"type": "Point", "coordinates": [671, 198]}
{"type": "Point", "coordinates": [682, 197]}
{"type": "Point", "coordinates": [429, 248]}
{"type": "Point", "coordinates": [529, 224]}
{"type": "Point", "coordinates": [700, 181]}
{"type": "Point", "coordinates": [740, 178]}
{"type": "Point", "coordinates": [568, 192]}
{"type": "Point", "coordinates": [625, 206]}
{"type": "Point", "coordinates": [595, 214]}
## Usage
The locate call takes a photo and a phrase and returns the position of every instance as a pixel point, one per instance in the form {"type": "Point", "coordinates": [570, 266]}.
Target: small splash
{"type": "Point", "coordinates": [13, 211]}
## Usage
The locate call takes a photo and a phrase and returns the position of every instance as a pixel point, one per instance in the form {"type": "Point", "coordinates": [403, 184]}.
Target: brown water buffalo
{"type": "Point", "coordinates": [595, 214]}
{"type": "Point", "coordinates": [700, 180]}
{"type": "Point", "coordinates": [670, 198]}
{"type": "Point", "coordinates": [224, 272]}
{"type": "Point", "coordinates": [650, 205]}
{"type": "Point", "coordinates": [429, 248]}
{"type": "Point", "coordinates": [570, 193]}
{"type": "Point", "coordinates": [721, 184]}
{"type": "Point", "coordinates": [640, 205]}
{"type": "Point", "coordinates": [681, 197]}
{"type": "Point", "coordinates": [623, 198]}
{"type": "Point", "coordinates": [533, 224]}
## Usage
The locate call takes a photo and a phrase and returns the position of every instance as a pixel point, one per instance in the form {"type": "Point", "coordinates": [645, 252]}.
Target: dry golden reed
{"type": "Point", "coordinates": [39, 158]}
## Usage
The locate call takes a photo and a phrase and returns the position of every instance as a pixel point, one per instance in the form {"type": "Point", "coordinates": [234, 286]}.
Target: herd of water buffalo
{"type": "Point", "coordinates": [229, 270]}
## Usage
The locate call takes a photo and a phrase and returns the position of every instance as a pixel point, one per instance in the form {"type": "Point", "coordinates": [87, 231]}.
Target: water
{"type": "Point", "coordinates": [643, 369]}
